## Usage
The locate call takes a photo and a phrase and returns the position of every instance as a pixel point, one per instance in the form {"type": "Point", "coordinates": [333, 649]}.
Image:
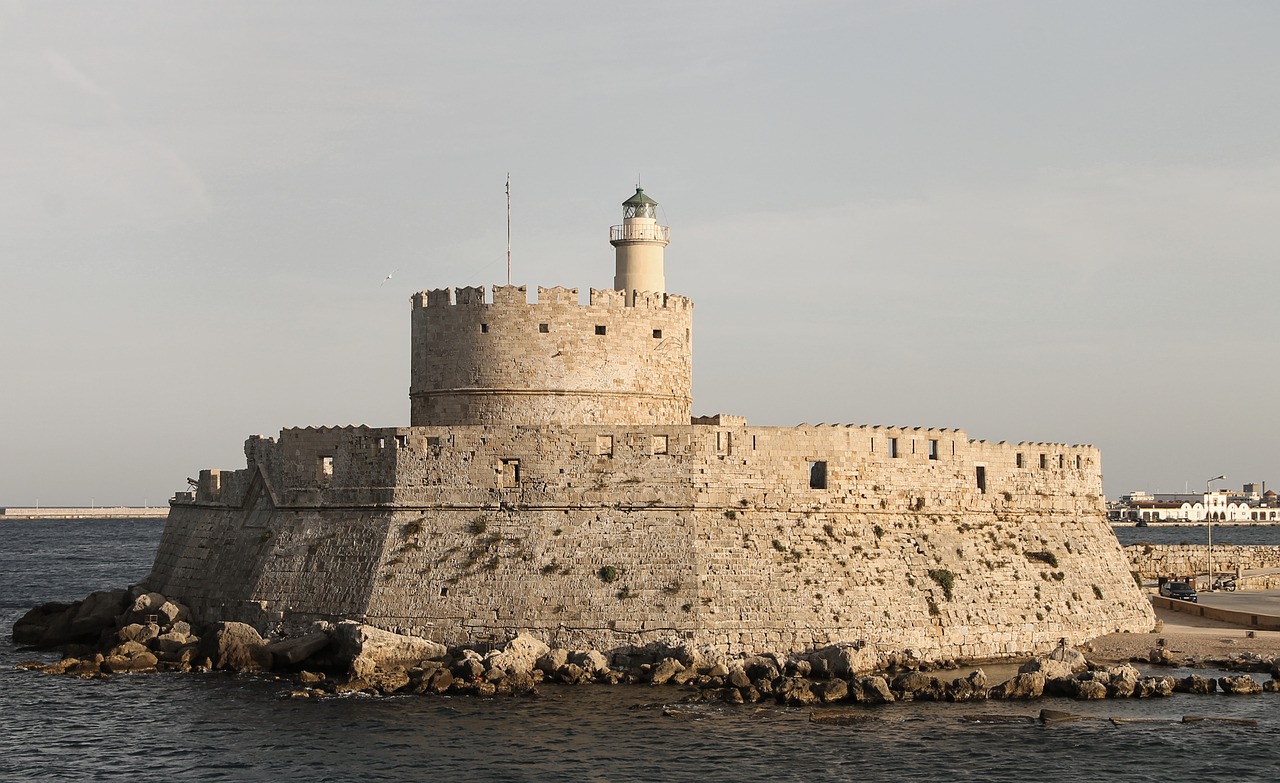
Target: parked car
{"type": "Point", "coordinates": [1180, 591]}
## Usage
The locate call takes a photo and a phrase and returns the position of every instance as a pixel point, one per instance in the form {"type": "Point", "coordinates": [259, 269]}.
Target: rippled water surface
{"type": "Point", "coordinates": [1164, 533]}
{"type": "Point", "coordinates": [220, 727]}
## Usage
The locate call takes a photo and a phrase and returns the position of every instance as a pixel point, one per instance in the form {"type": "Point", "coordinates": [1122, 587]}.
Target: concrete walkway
{"type": "Point", "coordinates": [1251, 609]}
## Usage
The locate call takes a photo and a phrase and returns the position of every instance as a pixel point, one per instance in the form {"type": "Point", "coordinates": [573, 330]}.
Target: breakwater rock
{"type": "Point", "coordinates": [134, 630]}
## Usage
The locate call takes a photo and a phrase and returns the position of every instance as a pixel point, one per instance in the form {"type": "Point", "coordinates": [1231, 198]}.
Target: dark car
{"type": "Point", "coordinates": [1180, 591]}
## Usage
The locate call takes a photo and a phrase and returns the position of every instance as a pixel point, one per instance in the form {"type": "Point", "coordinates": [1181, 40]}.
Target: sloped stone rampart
{"type": "Point", "coordinates": [601, 537]}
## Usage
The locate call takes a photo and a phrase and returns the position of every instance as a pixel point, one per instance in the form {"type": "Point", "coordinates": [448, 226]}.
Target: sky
{"type": "Point", "coordinates": [1033, 221]}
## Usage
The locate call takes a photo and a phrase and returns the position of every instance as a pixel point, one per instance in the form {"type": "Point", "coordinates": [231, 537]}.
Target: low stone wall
{"type": "Point", "coordinates": [109, 512]}
{"type": "Point", "coordinates": [1152, 561]}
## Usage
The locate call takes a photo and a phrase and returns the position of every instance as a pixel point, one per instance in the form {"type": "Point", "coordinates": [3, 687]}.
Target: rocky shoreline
{"type": "Point", "coordinates": [132, 630]}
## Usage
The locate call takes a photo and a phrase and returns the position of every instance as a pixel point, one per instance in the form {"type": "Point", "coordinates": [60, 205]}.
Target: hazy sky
{"type": "Point", "coordinates": [1045, 221]}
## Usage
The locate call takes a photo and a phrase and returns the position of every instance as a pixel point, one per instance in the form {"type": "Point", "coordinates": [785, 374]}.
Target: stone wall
{"type": "Point", "coordinates": [553, 362]}
{"type": "Point", "coordinates": [1152, 561]}
{"type": "Point", "coordinates": [745, 538]}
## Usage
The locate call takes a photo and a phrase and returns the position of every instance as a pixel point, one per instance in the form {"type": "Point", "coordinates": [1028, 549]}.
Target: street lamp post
{"type": "Point", "coordinates": [1208, 518]}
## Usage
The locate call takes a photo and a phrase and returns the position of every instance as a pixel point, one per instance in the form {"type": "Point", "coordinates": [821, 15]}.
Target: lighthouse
{"type": "Point", "coordinates": [639, 244]}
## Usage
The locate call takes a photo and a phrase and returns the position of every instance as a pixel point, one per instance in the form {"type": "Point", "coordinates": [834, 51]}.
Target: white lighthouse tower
{"type": "Point", "coordinates": [639, 242]}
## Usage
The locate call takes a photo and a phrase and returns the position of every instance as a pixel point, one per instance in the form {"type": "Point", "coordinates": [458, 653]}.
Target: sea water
{"type": "Point", "coordinates": [178, 727]}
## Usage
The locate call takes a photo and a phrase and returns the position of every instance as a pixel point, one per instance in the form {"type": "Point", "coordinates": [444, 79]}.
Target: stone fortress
{"type": "Point", "coordinates": [553, 481]}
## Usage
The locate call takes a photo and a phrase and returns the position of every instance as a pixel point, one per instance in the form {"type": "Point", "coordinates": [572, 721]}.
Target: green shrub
{"type": "Point", "coordinates": [1046, 557]}
{"type": "Point", "coordinates": [608, 574]}
{"type": "Point", "coordinates": [945, 579]}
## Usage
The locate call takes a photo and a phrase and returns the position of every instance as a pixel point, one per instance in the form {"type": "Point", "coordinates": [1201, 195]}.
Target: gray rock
{"type": "Point", "coordinates": [553, 660]}
{"type": "Point", "coordinates": [664, 670]}
{"type": "Point", "coordinates": [1195, 684]}
{"type": "Point", "coordinates": [520, 654]}
{"type": "Point", "coordinates": [169, 642]}
{"type": "Point", "coordinates": [871, 690]}
{"type": "Point", "coordinates": [845, 660]}
{"type": "Point", "coordinates": [138, 632]}
{"type": "Point", "coordinates": [299, 648]}
{"type": "Point", "coordinates": [234, 647]}
{"type": "Point", "coordinates": [1239, 685]}
{"type": "Point", "coordinates": [364, 648]}
{"type": "Point", "coordinates": [1029, 685]}
{"type": "Point", "coordinates": [1088, 690]}
{"type": "Point", "coordinates": [829, 691]}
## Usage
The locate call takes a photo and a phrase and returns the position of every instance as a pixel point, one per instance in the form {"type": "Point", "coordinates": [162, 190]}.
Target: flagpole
{"type": "Point", "coordinates": [508, 228]}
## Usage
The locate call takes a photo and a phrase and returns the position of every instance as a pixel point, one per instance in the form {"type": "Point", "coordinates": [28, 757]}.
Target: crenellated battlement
{"type": "Point", "coordinates": [517, 295]}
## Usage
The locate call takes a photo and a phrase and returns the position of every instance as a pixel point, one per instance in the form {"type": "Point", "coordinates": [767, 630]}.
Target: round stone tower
{"type": "Point", "coordinates": [624, 358]}
{"type": "Point", "coordinates": [639, 244]}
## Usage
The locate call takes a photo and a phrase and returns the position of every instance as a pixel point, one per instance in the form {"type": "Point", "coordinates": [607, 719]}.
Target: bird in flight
{"type": "Point", "coordinates": [389, 274]}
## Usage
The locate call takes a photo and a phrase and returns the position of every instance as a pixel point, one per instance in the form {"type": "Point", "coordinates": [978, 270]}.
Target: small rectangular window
{"type": "Point", "coordinates": [1018, 459]}
{"type": "Point", "coordinates": [484, 328]}
{"type": "Point", "coordinates": [1062, 461]}
{"type": "Point", "coordinates": [982, 478]}
{"type": "Point", "coordinates": [818, 475]}
{"type": "Point", "coordinates": [326, 468]}
{"type": "Point", "coordinates": [724, 441]}
{"type": "Point", "coordinates": [433, 442]}
{"type": "Point", "coordinates": [1044, 461]}
{"type": "Point", "coordinates": [600, 329]}
{"type": "Point", "coordinates": [657, 334]}
{"type": "Point", "coordinates": [893, 447]}
{"type": "Point", "coordinates": [544, 328]}
{"type": "Point", "coordinates": [1079, 462]}
{"type": "Point", "coordinates": [382, 443]}
{"type": "Point", "coordinates": [402, 441]}
{"type": "Point", "coordinates": [933, 449]}
{"type": "Point", "coordinates": [510, 473]}
{"type": "Point", "coordinates": [658, 444]}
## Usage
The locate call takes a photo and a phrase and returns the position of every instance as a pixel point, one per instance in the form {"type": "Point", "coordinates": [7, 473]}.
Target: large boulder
{"type": "Point", "coordinates": [1029, 685]}
{"type": "Point", "coordinates": [1243, 684]}
{"type": "Point", "coordinates": [1053, 668]}
{"type": "Point", "coordinates": [592, 662]}
{"type": "Point", "coordinates": [55, 624]}
{"type": "Point", "coordinates": [871, 690]}
{"type": "Point", "coordinates": [145, 608]}
{"type": "Point", "coordinates": [663, 671]}
{"type": "Point", "coordinates": [1195, 684]}
{"type": "Point", "coordinates": [34, 626]}
{"type": "Point", "coordinates": [364, 648]}
{"type": "Point", "coordinates": [235, 647]}
{"type": "Point", "coordinates": [843, 660]}
{"type": "Point", "coordinates": [518, 656]}
{"type": "Point", "coordinates": [295, 650]}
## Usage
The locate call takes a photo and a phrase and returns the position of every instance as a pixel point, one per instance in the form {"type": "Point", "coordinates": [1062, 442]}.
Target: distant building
{"type": "Point", "coordinates": [1221, 506]}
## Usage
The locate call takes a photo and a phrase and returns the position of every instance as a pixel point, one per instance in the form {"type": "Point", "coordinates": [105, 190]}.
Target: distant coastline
{"type": "Point", "coordinates": [97, 512]}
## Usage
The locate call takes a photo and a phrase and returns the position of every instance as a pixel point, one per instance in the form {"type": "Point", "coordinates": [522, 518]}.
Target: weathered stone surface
{"type": "Point", "coordinates": [138, 632]}
{"type": "Point", "coordinates": [1051, 668]}
{"type": "Point", "coordinates": [520, 654]}
{"type": "Point", "coordinates": [1195, 684]}
{"type": "Point", "coordinates": [829, 691]}
{"type": "Point", "coordinates": [137, 661]}
{"type": "Point", "coordinates": [55, 624]}
{"type": "Point", "coordinates": [845, 660]}
{"type": "Point", "coordinates": [1029, 685]}
{"type": "Point", "coordinates": [664, 670]}
{"type": "Point", "coordinates": [299, 648]}
{"type": "Point", "coordinates": [553, 660]}
{"type": "Point", "coordinates": [1240, 685]}
{"type": "Point", "coordinates": [871, 690]}
{"type": "Point", "coordinates": [1087, 690]}
{"type": "Point", "coordinates": [234, 647]}
{"type": "Point", "coordinates": [364, 648]}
